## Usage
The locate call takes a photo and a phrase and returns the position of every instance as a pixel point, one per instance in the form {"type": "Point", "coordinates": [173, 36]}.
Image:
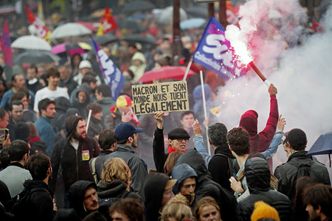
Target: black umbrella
{"type": "Point", "coordinates": [36, 57]}
{"type": "Point", "coordinates": [198, 11]}
{"type": "Point", "coordinates": [148, 39]}
{"type": "Point", "coordinates": [136, 6]}
{"type": "Point", "coordinates": [105, 39]}
{"type": "Point", "coordinates": [322, 146]}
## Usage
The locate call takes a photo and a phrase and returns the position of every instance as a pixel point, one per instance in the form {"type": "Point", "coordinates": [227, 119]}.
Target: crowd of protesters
{"type": "Point", "coordinates": [54, 166]}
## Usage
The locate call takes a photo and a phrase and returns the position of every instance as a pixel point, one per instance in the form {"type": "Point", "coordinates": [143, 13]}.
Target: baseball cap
{"type": "Point", "coordinates": [125, 130]}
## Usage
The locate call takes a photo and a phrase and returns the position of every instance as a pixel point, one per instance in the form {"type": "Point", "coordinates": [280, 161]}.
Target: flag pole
{"type": "Point", "coordinates": [205, 112]}
{"type": "Point", "coordinates": [88, 120]}
{"type": "Point", "coordinates": [188, 68]}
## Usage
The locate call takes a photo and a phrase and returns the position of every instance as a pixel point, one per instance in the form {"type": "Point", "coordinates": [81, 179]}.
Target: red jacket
{"type": "Point", "coordinates": [261, 141]}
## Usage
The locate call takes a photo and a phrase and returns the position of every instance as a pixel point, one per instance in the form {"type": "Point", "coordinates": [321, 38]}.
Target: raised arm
{"type": "Point", "coordinates": [199, 142]}
{"type": "Point", "coordinates": [159, 155]}
{"type": "Point", "coordinates": [276, 141]}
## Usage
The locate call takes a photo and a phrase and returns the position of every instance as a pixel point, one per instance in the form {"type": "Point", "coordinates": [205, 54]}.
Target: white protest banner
{"type": "Point", "coordinates": [167, 96]}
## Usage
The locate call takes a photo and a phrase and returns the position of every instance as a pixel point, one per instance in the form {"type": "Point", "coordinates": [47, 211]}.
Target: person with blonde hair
{"type": "Point", "coordinates": [115, 182]}
{"type": "Point", "coordinates": [207, 208]}
{"type": "Point", "coordinates": [176, 211]}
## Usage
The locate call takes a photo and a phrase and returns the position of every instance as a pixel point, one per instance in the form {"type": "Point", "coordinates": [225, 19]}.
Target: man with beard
{"type": "Point", "coordinates": [73, 154]}
{"type": "Point", "coordinates": [318, 201]}
{"type": "Point", "coordinates": [127, 136]}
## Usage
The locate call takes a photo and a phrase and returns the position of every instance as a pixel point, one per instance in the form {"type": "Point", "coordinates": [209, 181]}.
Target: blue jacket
{"type": "Point", "coordinates": [46, 133]}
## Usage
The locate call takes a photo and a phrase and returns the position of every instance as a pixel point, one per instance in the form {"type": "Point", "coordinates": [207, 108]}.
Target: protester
{"type": "Point", "coordinates": [107, 143]}
{"type": "Point", "coordinates": [44, 126]}
{"type": "Point", "coordinates": [259, 142]}
{"type": "Point", "coordinates": [24, 97]}
{"type": "Point", "coordinates": [157, 192]}
{"type": "Point", "coordinates": [84, 68]}
{"type": "Point", "coordinates": [298, 208]}
{"type": "Point", "coordinates": [32, 80]}
{"type": "Point", "coordinates": [104, 99]}
{"type": "Point", "coordinates": [176, 212]}
{"type": "Point", "coordinates": [258, 177]}
{"type": "Point", "coordinates": [66, 78]}
{"type": "Point", "coordinates": [52, 90]}
{"type": "Point", "coordinates": [127, 209]}
{"type": "Point", "coordinates": [263, 211]}
{"type": "Point", "coordinates": [207, 209]}
{"type": "Point", "coordinates": [81, 101]}
{"type": "Point", "coordinates": [15, 174]}
{"type": "Point", "coordinates": [127, 135]}
{"type": "Point", "coordinates": [18, 83]}
{"type": "Point", "coordinates": [73, 154]}
{"type": "Point", "coordinates": [96, 124]}
{"type": "Point", "coordinates": [115, 183]}
{"type": "Point", "coordinates": [83, 197]}
{"type": "Point", "coordinates": [298, 164]}
{"type": "Point", "coordinates": [16, 116]}
{"type": "Point", "coordinates": [177, 139]}
{"type": "Point", "coordinates": [222, 164]}
{"type": "Point", "coordinates": [318, 201]}
{"type": "Point", "coordinates": [185, 182]}
{"type": "Point", "coordinates": [38, 204]}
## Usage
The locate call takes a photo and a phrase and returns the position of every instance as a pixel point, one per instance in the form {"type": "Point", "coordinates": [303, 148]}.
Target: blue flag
{"type": "Point", "coordinates": [215, 53]}
{"type": "Point", "coordinates": [111, 74]}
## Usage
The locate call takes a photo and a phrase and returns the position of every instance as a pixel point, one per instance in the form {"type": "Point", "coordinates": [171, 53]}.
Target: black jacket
{"type": "Point", "coordinates": [153, 190]}
{"type": "Point", "coordinates": [258, 178]}
{"type": "Point", "coordinates": [299, 164]}
{"type": "Point", "coordinates": [74, 163]}
{"type": "Point", "coordinates": [110, 192]}
{"type": "Point", "coordinates": [39, 202]}
{"type": "Point", "coordinates": [221, 167]}
{"type": "Point", "coordinates": [159, 155]}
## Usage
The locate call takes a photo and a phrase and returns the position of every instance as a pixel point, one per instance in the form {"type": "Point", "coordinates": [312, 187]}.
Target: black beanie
{"type": "Point", "coordinates": [178, 133]}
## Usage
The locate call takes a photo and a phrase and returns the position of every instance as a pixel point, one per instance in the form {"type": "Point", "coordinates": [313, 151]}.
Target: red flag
{"type": "Point", "coordinates": [107, 23]}
{"type": "Point", "coordinates": [39, 25]}
{"type": "Point", "coordinates": [5, 45]}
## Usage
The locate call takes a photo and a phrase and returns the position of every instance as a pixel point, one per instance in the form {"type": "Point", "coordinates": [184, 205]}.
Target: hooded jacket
{"type": "Point", "coordinates": [205, 186]}
{"type": "Point", "coordinates": [74, 163]}
{"type": "Point", "coordinates": [110, 192]}
{"type": "Point", "coordinates": [76, 196]}
{"type": "Point", "coordinates": [180, 173]}
{"type": "Point", "coordinates": [153, 191]}
{"type": "Point", "coordinates": [258, 178]}
{"type": "Point", "coordinates": [259, 142]}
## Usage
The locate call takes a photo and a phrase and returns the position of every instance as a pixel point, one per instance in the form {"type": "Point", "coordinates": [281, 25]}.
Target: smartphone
{"type": "Point", "coordinates": [4, 132]}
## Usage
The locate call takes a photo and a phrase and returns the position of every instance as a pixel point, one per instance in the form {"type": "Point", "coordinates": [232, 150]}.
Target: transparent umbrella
{"type": "Point", "coordinates": [70, 29]}
{"type": "Point", "coordinates": [31, 42]}
{"type": "Point", "coordinates": [36, 57]}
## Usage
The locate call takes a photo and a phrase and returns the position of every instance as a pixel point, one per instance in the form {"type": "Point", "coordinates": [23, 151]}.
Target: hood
{"type": "Point", "coordinates": [257, 174]}
{"type": "Point", "coordinates": [195, 161]}
{"type": "Point", "coordinates": [180, 173]}
{"type": "Point", "coordinates": [76, 195]}
{"type": "Point", "coordinates": [110, 189]}
{"type": "Point", "coordinates": [248, 121]}
{"type": "Point", "coordinates": [139, 56]}
{"type": "Point", "coordinates": [86, 91]}
{"type": "Point", "coordinates": [153, 190]}
{"type": "Point", "coordinates": [62, 104]}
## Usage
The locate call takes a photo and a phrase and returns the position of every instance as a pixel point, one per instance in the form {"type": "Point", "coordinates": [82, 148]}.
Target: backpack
{"type": "Point", "coordinates": [23, 204]}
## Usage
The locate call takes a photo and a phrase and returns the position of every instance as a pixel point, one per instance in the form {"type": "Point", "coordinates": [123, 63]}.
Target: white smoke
{"type": "Point", "coordinates": [302, 73]}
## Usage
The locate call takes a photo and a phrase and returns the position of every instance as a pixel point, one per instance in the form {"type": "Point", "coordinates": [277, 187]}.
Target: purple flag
{"type": "Point", "coordinates": [215, 53]}
{"type": "Point", "coordinates": [5, 45]}
{"type": "Point", "coordinates": [110, 73]}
